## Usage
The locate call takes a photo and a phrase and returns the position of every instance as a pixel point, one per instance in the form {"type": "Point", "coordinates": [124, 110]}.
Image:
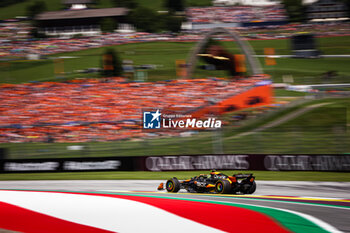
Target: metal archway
{"type": "Point", "coordinates": [245, 47]}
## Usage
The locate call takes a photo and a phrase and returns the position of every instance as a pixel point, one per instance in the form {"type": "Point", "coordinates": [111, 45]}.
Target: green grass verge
{"type": "Point", "coordinates": [260, 175]}
{"type": "Point", "coordinates": [164, 54]}
{"type": "Point", "coordinates": [283, 93]}
{"type": "Point", "coordinates": [336, 114]}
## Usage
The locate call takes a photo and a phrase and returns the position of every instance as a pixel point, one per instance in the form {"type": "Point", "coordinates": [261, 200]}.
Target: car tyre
{"type": "Point", "coordinates": [252, 188]}
{"type": "Point", "coordinates": [249, 188]}
{"type": "Point", "coordinates": [172, 185]}
{"type": "Point", "coordinates": [223, 187]}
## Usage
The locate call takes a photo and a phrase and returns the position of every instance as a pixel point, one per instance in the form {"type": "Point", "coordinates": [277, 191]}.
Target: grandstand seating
{"type": "Point", "coordinates": [101, 110]}
{"type": "Point", "coordinates": [236, 14]}
{"type": "Point", "coordinates": [21, 48]}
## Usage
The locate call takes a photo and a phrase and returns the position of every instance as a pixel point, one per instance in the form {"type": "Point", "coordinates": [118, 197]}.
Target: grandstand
{"type": "Point", "coordinates": [96, 110]}
{"type": "Point", "coordinates": [245, 2]}
{"type": "Point", "coordinates": [236, 14]}
{"type": "Point", "coordinates": [21, 48]}
{"type": "Point", "coordinates": [78, 19]}
{"type": "Point", "coordinates": [327, 10]}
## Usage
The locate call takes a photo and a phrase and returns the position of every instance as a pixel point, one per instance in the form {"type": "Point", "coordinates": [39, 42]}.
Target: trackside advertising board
{"type": "Point", "coordinates": [69, 165]}
{"type": "Point", "coordinates": [250, 162]}
{"type": "Point", "coordinates": [291, 162]}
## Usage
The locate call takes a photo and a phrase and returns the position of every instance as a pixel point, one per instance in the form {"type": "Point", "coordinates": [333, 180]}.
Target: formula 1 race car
{"type": "Point", "coordinates": [215, 182]}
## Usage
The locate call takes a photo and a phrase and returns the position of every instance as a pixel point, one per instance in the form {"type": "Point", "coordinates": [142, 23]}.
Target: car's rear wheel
{"type": "Point", "coordinates": [248, 188]}
{"type": "Point", "coordinates": [172, 185]}
{"type": "Point", "coordinates": [223, 187]}
{"type": "Point", "coordinates": [252, 188]}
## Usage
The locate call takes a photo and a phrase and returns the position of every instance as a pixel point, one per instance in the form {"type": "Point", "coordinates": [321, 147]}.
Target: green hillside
{"type": "Point", "coordinates": [164, 55]}
{"type": "Point", "coordinates": [19, 9]}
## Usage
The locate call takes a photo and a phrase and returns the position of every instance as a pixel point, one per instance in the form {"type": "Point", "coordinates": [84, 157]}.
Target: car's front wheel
{"type": "Point", "coordinates": [172, 185]}
{"type": "Point", "coordinates": [223, 187]}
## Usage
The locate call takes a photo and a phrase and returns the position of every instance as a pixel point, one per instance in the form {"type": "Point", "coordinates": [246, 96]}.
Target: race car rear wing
{"type": "Point", "coordinates": [241, 176]}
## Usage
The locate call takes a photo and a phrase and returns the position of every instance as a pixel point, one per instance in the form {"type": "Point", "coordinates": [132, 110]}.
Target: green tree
{"type": "Point", "coordinates": [36, 34]}
{"type": "Point", "coordinates": [145, 19]}
{"type": "Point", "coordinates": [196, 3]}
{"type": "Point", "coordinates": [132, 4]}
{"type": "Point", "coordinates": [210, 43]}
{"type": "Point", "coordinates": [111, 64]}
{"type": "Point", "coordinates": [295, 10]}
{"type": "Point", "coordinates": [347, 4]}
{"type": "Point", "coordinates": [171, 23]}
{"type": "Point", "coordinates": [36, 8]}
{"type": "Point", "coordinates": [4, 3]}
{"type": "Point", "coordinates": [174, 5]}
{"type": "Point", "coordinates": [108, 24]}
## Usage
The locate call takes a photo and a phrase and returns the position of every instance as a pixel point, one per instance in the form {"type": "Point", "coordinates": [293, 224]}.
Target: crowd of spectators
{"type": "Point", "coordinates": [14, 31]}
{"type": "Point", "coordinates": [235, 14]}
{"type": "Point", "coordinates": [11, 47]}
{"type": "Point", "coordinates": [101, 110]}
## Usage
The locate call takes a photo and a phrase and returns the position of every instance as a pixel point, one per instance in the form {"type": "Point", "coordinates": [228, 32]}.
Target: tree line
{"type": "Point", "coordinates": [4, 3]}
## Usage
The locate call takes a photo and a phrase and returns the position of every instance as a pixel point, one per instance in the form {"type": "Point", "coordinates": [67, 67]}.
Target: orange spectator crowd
{"type": "Point", "coordinates": [100, 110]}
